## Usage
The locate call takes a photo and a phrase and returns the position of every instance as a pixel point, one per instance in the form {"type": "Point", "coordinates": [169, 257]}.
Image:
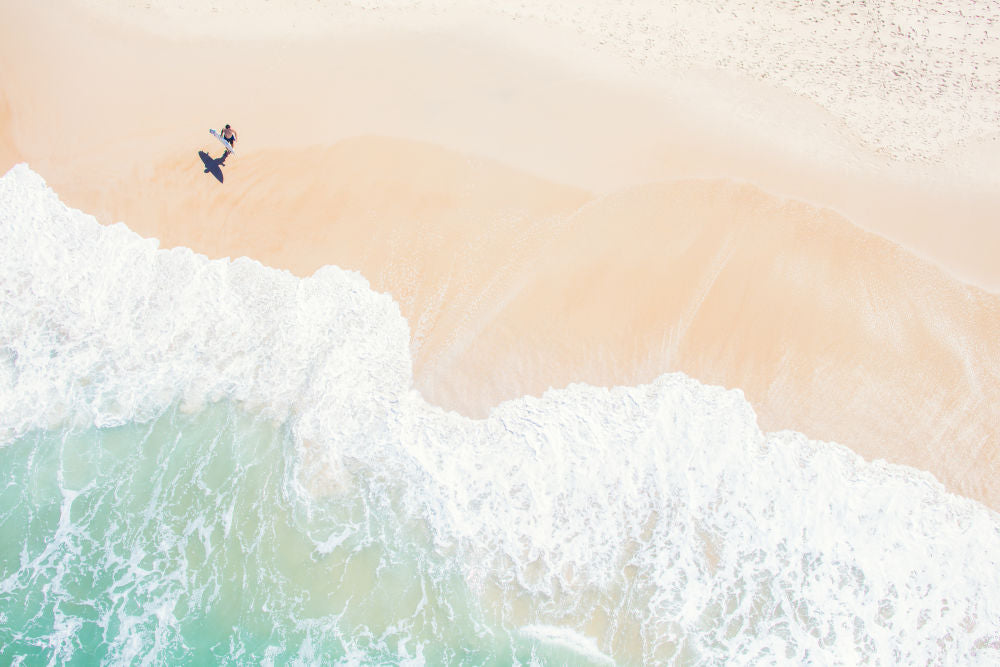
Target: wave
{"type": "Point", "coordinates": [654, 523]}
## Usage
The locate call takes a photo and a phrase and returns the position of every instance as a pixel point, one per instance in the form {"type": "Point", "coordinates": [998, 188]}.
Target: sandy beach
{"type": "Point", "coordinates": [541, 224]}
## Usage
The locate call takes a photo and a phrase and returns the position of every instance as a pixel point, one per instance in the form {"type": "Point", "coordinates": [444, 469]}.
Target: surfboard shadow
{"type": "Point", "coordinates": [213, 165]}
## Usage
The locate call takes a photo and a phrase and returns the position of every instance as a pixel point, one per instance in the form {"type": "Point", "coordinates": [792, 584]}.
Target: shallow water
{"type": "Point", "coordinates": [217, 461]}
{"type": "Point", "coordinates": [183, 539]}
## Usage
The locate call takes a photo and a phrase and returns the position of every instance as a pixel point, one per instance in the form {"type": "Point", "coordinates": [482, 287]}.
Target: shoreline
{"type": "Point", "coordinates": [539, 227]}
{"type": "Point", "coordinates": [600, 131]}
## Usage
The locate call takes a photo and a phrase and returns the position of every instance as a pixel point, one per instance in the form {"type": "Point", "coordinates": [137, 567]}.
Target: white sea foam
{"type": "Point", "coordinates": [568, 639]}
{"type": "Point", "coordinates": [98, 325]}
{"type": "Point", "coordinates": [661, 509]}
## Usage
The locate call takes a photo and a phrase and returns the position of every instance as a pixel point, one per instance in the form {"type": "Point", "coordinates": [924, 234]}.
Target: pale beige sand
{"type": "Point", "coordinates": [536, 227]}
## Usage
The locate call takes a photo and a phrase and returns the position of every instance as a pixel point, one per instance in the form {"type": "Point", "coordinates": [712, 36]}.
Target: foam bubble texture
{"type": "Point", "coordinates": [102, 327]}
{"type": "Point", "coordinates": [653, 523]}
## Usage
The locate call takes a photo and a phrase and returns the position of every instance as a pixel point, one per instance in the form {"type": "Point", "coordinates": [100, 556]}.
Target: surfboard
{"type": "Point", "coordinates": [225, 143]}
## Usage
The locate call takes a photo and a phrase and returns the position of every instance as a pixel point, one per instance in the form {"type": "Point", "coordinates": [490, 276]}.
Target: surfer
{"type": "Point", "coordinates": [229, 134]}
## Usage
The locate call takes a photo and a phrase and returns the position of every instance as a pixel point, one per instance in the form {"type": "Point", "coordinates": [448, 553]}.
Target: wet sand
{"type": "Point", "coordinates": [537, 225]}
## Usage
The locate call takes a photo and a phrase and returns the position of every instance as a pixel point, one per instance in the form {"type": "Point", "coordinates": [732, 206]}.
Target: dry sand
{"type": "Point", "coordinates": [539, 226]}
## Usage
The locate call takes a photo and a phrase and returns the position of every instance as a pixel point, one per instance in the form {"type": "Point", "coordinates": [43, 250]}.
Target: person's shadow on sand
{"type": "Point", "coordinates": [213, 165]}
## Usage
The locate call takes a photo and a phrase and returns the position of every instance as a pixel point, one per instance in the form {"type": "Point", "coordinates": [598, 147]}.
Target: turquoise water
{"type": "Point", "coordinates": [183, 539]}
{"type": "Point", "coordinates": [215, 462]}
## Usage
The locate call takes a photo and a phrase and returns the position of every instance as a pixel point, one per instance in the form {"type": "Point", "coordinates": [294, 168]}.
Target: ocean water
{"type": "Point", "coordinates": [215, 461]}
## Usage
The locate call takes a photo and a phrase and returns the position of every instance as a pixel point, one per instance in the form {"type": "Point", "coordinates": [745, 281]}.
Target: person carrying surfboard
{"type": "Point", "coordinates": [229, 134]}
